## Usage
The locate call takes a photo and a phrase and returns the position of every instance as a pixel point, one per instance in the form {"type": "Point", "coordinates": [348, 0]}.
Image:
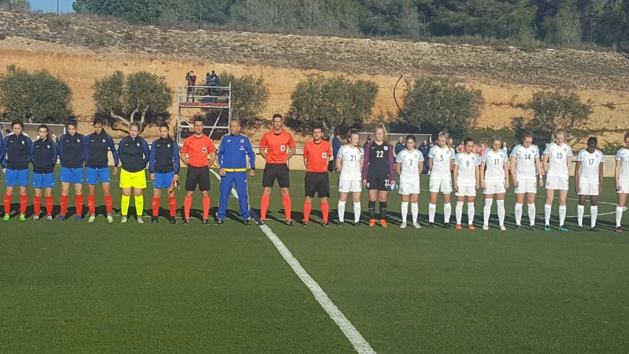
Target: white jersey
{"type": "Point", "coordinates": [623, 156]}
{"type": "Point", "coordinates": [494, 164]}
{"type": "Point", "coordinates": [558, 159]}
{"type": "Point", "coordinates": [590, 164]}
{"type": "Point", "coordinates": [467, 168]}
{"type": "Point", "coordinates": [410, 162]}
{"type": "Point", "coordinates": [441, 161]}
{"type": "Point", "coordinates": [351, 162]}
{"type": "Point", "coordinates": [525, 161]}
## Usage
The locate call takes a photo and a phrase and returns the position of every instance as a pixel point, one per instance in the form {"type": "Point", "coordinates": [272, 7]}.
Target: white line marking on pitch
{"type": "Point", "coordinates": [352, 334]}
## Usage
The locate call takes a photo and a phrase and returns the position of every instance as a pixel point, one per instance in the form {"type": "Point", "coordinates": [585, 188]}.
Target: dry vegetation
{"type": "Point", "coordinates": [557, 68]}
{"type": "Point", "coordinates": [80, 49]}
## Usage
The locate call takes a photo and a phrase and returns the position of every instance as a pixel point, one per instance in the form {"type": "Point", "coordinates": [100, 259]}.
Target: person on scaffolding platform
{"type": "Point", "coordinates": [191, 80]}
{"type": "Point", "coordinates": [211, 79]}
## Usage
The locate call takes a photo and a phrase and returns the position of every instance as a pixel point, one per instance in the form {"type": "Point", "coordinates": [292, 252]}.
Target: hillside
{"type": "Point", "coordinates": [80, 49]}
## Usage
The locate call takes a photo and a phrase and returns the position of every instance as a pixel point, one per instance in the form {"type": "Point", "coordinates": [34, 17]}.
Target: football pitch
{"type": "Point", "coordinates": [77, 287]}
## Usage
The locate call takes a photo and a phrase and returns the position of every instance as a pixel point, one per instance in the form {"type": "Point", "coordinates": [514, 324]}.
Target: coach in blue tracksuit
{"type": "Point", "coordinates": [232, 161]}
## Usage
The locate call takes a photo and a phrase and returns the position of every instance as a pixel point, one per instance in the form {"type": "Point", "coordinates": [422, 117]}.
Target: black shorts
{"type": "Point", "coordinates": [200, 176]}
{"type": "Point", "coordinates": [379, 183]}
{"type": "Point", "coordinates": [274, 171]}
{"type": "Point", "coordinates": [317, 182]}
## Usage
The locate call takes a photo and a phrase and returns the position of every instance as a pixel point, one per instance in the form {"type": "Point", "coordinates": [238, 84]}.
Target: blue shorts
{"type": "Point", "coordinates": [43, 180]}
{"type": "Point", "coordinates": [163, 180]}
{"type": "Point", "coordinates": [13, 177]}
{"type": "Point", "coordinates": [95, 174]}
{"type": "Point", "coordinates": [71, 175]}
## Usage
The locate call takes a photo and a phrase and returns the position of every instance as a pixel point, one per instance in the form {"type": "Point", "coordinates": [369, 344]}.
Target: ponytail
{"type": "Point", "coordinates": [49, 136]}
{"type": "Point", "coordinates": [165, 125]}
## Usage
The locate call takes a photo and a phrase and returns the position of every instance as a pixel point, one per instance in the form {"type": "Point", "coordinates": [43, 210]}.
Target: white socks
{"type": "Point", "coordinates": [341, 210]}
{"type": "Point", "coordinates": [532, 212]}
{"type": "Point", "coordinates": [404, 211]}
{"type": "Point", "coordinates": [562, 215]}
{"type": "Point", "coordinates": [487, 211]}
{"type": "Point", "coordinates": [432, 210]}
{"type": "Point", "coordinates": [501, 212]}
{"type": "Point", "coordinates": [470, 213]}
{"type": "Point", "coordinates": [547, 209]}
{"type": "Point", "coordinates": [459, 212]}
{"type": "Point", "coordinates": [356, 211]}
{"type": "Point", "coordinates": [619, 211]}
{"type": "Point", "coordinates": [447, 210]}
{"type": "Point", "coordinates": [414, 212]}
{"type": "Point", "coordinates": [518, 214]}
{"type": "Point", "coordinates": [594, 213]}
{"type": "Point", "coordinates": [580, 212]}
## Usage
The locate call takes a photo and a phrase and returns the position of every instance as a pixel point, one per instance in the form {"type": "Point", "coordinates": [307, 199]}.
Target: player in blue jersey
{"type": "Point", "coordinates": [44, 153]}
{"type": "Point", "coordinates": [97, 147]}
{"type": "Point", "coordinates": [164, 169]}
{"type": "Point", "coordinates": [72, 155]}
{"type": "Point", "coordinates": [15, 161]}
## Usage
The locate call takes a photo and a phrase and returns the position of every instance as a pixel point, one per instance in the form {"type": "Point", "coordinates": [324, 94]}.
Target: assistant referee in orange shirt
{"type": "Point", "coordinates": [316, 156]}
{"type": "Point", "coordinates": [276, 147]}
{"type": "Point", "coordinates": [194, 154]}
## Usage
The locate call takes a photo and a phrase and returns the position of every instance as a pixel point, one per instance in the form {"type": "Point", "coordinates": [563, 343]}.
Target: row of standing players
{"type": "Point", "coordinates": [373, 168]}
{"type": "Point", "coordinates": [466, 172]}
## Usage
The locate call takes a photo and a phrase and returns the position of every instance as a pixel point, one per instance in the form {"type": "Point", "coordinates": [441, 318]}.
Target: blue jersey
{"type": "Point", "coordinates": [164, 156]}
{"type": "Point", "coordinates": [17, 152]}
{"type": "Point", "coordinates": [44, 156]}
{"type": "Point", "coordinates": [133, 154]}
{"type": "Point", "coordinates": [234, 150]}
{"type": "Point", "coordinates": [97, 147]}
{"type": "Point", "coordinates": [72, 150]}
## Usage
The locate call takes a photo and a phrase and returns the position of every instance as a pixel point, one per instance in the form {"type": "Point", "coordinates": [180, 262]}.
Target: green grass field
{"type": "Point", "coordinates": [78, 287]}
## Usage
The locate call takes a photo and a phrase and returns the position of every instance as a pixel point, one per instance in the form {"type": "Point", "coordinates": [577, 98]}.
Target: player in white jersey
{"type": "Point", "coordinates": [557, 158]}
{"type": "Point", "coordinates": [622, 181]}
{"type": "Point", "coordinates": [525, 169]}
{"type": "Point", "coordinates": [494, 177]}
{"type": "Point", "coordinates": [409, 165]}
{"type": "Point", "coordinates": [440, 163]}
{"type": "Point", "coordinates": [466, 180]}
{"type": "Point", "coordinates": [349, 161]}
{"type": "Point", "coordinates": [588, 181]}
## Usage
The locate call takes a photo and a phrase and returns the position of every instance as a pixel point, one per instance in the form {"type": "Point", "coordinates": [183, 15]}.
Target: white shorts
{"type": "Point", "coordinates": [407, 188]}
{"type": "Point", "coordinates": [443, 185]}
{"type": "Point", "coordinates": [495, 187]}
{"type": "Point", "coordinates": [526, 186]}
{"type": "Point", "coordinates": [466, 190]}
{"type": "Point", "coordinates": [350, 185]}
{"type": "Point", "coordinates": [557, 183]}
{"type": "Point", "coordinates": [624, 187]}
{"type": "Point", "coordinates": [586, 188]}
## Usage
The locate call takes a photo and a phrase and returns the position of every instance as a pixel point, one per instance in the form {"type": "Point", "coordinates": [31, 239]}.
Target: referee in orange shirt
{"type": "Point", "coordinates": [316, 156]}
{"type": "Point", "coordinates": [276, 147]}
{"type": "Point", "coordinates": [194, 154]}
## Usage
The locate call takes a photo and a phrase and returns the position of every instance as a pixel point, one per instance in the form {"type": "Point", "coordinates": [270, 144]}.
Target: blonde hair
{"type": "Point", "coordinates": [560, 132]}
{"type": "Point", "coordinates": [385, 137]}
{"type": "Point", "coordinates": [443, 134]}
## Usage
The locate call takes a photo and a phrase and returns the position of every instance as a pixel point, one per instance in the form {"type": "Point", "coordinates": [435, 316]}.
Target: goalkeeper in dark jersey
{"type": "Point", "coordinates": [378, 175]}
